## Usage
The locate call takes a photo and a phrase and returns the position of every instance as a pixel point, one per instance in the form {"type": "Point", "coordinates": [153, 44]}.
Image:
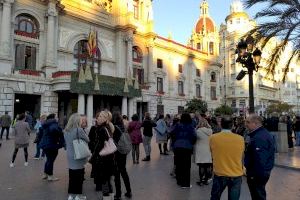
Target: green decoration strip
{"type": "Point", "coordinates": [110, 86]}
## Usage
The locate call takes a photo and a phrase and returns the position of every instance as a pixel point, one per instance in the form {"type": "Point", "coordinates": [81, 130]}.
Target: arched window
{"type": "Point", "coordinates": [211, 48]}
{"type": "Point", "coordinates": [213, 77]}
{"type": "Point", "coordinates": [137, 55]}
{"type": "Point", "coordinates": [26, 25]}
{"type": "Point", "coordinates": [137, 58]}
{"type": "Point", "coordinates": [82, 57]}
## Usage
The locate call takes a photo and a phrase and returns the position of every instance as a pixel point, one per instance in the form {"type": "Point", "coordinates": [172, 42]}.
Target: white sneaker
{"type": "Point", "coordinates": [45, 176]}
{"type": "Point", "coordinates": [26, 164]}
{"type": "Point", "coordinates": [70, 197]}
{"type": "Point", "coordinates": [11, 164]}
{"type": "Point", "coordinates": [80, 197]}
{"type": "Point", "coordinates": [52, 178]}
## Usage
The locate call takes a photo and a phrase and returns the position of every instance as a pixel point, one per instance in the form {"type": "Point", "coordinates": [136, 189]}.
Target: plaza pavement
{"type": "Point", "coordinates": [149, 180]}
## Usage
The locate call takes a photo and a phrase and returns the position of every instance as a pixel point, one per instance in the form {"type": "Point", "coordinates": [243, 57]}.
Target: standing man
{"type": "Point", "coordinates": [148, 125]}
{"type": "Point", "coordinates": [5, 122]}
{"type": "Point", "coordinates": [259, 157]}
{"type": "Point", "coordinates": [227, 151]}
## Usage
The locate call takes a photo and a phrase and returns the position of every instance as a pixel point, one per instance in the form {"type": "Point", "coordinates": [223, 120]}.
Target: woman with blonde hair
{"type": "Point", "coordinates": [104, 165]}
{"type": "Point", "coordinates": [72, 132]}
{"type": "Point", "coordinates": [202, 151]}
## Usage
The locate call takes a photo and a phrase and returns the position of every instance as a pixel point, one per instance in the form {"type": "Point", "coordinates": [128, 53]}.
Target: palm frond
{"type": "Point", "coordinates": [287, 65]}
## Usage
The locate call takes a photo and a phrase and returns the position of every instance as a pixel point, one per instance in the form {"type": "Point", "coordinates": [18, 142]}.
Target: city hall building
{"type": "Point", "coordinates": [66, 56]}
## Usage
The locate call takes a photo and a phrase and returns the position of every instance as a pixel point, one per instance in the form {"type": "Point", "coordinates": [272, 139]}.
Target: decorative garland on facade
{"type": "Point", "coordinates": [108, 85]}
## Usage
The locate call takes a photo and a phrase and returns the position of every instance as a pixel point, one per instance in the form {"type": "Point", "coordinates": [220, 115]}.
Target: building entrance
{"type": "Point", "coordinates": [27, 102]}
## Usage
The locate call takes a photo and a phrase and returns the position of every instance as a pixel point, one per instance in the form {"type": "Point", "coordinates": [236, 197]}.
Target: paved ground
{"type": "Point", "coordinates": [150, 181]}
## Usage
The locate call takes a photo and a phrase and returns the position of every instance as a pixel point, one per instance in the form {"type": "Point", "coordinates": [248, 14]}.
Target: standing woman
{"type": "Point", "coordinates": [76, 167]}
{"type": "Point", "coordinates": [184, 139]}
{"type": "Point", "coordinates": [161, 135]}
{"type": "Point", "coordinates": [134, 130]}
{"type": "Point", "coordinates": [52, 140]}
{"type": "Point", "coordinates": [103, 164]}
{"type": "Point", "coordinates": [22, 132]}
{"type": "Point", "coordinates": [202, 151]}
{"type": "Point", "coordinates": [120, 159]}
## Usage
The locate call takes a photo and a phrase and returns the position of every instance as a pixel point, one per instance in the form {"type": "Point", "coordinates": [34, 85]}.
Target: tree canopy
{"type": "Point", "coordinates": [196, 105]}
{"type": "Point", "coordinates": [224, 110]}
{"type": "Point", "coordinates": [281, 19]}
{"type": "Point", "coordinates": [279, 108]}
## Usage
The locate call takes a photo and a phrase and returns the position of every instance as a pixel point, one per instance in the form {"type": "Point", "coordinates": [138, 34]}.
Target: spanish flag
{"type": "Point", "coordinates": [92, 43]}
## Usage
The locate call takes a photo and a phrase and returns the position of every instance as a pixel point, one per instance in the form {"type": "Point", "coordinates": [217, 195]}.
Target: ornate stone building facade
{"type": "Point", "coordinates": [267, 88]}
{"type": "Point", "coordinates": [44, 54]}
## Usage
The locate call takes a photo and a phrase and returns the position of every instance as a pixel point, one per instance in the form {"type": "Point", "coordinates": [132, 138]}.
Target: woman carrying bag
{"type": "Point", "coordinates": [104, 165]}
{"type": "Point", "coordinates": [72, 132]}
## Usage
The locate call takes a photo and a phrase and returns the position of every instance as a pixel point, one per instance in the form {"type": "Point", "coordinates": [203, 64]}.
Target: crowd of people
{"type": "Point", "coordinates": [224, 149]}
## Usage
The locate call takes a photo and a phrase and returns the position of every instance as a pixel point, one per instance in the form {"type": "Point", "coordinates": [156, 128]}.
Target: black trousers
{"type": "Point", "coordinates": [7, 132]}
{"type": "Point", "coordinates": [76, 177]}
{"type": "Point", "coordinates": [120, 170]}
{"type": "Point", "coordinates": [257, 187]}
{"type": "Point", "coordinates": [183, 166]}
{"type": "Point", "coordinates": [204, 171]}
{"type": "Point", "coordinates": [51, 155]}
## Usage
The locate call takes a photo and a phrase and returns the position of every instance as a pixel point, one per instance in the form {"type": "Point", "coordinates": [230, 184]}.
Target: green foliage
{"type": "Point", "coordinates": [279, 108]}
{"type": "Point", "coordinates": [280, 19]}
{"type": "Point", "coordinates": [224, 110]}
{"type": "Point", "coordinates": [196, 105]}
{"type": "Point", "coordinates": [108, 85]}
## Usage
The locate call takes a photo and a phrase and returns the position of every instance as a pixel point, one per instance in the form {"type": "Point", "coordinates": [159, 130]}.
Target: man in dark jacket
{"type": "Point", "coordinates": [5, 123]}
{"type": "Point", "coordinates": [259, 157]}
{"type": "Point", "coordinates": [148, 125]}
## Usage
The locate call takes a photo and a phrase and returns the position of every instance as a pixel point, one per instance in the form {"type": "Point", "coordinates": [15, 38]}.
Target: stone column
{"type": "Point", "coordinates": [6, 29]}
{"type": "Point", "coordinates": [50, 51]}
{"type": "Point", "coordinates": [124, 106]}
{"type": "Point", "coordinates": [90, 108]}
{"type": "Point", "coordinates": [150, 78]}
{"type": "Point", "coordinates": [128, 39]}
{"type": "Point", "coordinates": [130, 108]}
{"type": "Point", "coordinates": [81, 104]}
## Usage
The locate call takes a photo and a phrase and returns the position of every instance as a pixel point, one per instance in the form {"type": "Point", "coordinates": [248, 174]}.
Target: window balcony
{"type": "Point", "coordinates": [30, 72]}
{"type": "Point", "coordinates": [61, 74]}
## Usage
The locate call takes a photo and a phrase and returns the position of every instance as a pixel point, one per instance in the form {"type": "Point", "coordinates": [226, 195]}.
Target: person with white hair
{"type": "Point", "coordinates": [72, 132]}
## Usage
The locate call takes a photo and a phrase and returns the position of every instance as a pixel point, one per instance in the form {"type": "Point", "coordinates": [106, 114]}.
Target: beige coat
{"type": "Point", "coordinates": [22, 131]}
{"type": "Point", "coordinates": [201, 148]}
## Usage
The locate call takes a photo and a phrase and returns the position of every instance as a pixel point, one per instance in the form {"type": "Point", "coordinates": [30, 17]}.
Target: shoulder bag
{"type": "Point", "coordinates": [81, 148]}
{"type": "Point", "coordinates": [109, 146]}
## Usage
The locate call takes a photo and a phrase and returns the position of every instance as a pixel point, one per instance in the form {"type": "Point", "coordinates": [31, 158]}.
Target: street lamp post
{"type": "Point", "coordinates": [250, 60]}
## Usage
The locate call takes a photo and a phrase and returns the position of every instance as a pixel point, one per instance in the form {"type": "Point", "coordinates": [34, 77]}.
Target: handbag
{"type": "Point", "coordinates": [81, 148]}
{"type": "Point", "coordinates": [109, 146]}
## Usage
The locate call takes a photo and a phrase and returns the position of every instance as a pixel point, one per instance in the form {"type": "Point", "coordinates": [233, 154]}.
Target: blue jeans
{"type": "Point", "coordinates": [220, 183]}
{"type": "Point", "coordinates": [147, 145]}
{"type": "Point", "coordinates": [38, 152]}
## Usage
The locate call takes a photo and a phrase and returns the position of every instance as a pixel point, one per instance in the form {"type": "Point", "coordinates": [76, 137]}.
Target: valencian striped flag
{"type": "Point", "coordinates": [92, 43]}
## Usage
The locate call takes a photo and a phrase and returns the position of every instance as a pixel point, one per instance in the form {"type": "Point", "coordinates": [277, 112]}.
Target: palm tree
{"type": "Point", "coordinates": [281, 20]}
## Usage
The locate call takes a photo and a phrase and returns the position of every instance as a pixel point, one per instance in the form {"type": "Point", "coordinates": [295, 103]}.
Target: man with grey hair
{"type": "Point", "coordinates": [259, 157]}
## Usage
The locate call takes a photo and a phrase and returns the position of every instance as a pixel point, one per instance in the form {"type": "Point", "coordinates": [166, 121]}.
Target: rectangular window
{"type": "Point", "coordinates": [180, 109]}
{"type": "Point", "coordinates": [160, 87]}
{"type": "Point", "coordinates": [198, 90]}
{"type": "Point", "coordinates": [199, 46]}
{"type": "Point", "coordinates": [180, 88]}
{"type": "Point", "coordinates": [211, 48]}
{"type": "Point", "coordinates": [198, 73]}
{"type": "Point", "coordinates": [159, 63]}
{"type": "Point", "coordinates": [136, 9]}
{"type": "Point", "coordinates": [180, 68]}
{"type": "Point", "coordinates": [233, 103]}
{"type": "Point", "coordinates": [213, 94]}
{"type": "Point", "coordinates": [25, 57]}
{"type": "Point", "coordinates": [160, 109]}
{"type": "Point", "coordinates": [139, 74]}
{"type": "Point", "coordinates": [242, 103]}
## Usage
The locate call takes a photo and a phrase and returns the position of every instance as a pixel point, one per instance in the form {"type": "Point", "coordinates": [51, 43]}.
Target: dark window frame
{"type": "Point", "coordinates": [27, 20]}
{"type": "Point", "coordinates": [180, 87]}
{"type": "Point", "coordinates": [180, 68]}
{"type": "Point", "coordinates": [160, 84]}
{"type": "Point", "coordinates": [159, 63]}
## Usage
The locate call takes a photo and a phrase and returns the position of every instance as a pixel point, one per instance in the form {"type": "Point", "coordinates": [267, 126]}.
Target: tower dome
{"type": "Point", "coordinates": [205, 23]}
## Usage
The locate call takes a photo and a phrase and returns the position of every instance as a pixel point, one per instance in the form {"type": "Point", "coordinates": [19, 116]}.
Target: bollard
{"type": "Point", "coordinates": [282, 140]}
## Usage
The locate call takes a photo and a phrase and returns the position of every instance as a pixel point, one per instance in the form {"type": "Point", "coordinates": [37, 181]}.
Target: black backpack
{"type": "Point", "coordinates": [124, 145]}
